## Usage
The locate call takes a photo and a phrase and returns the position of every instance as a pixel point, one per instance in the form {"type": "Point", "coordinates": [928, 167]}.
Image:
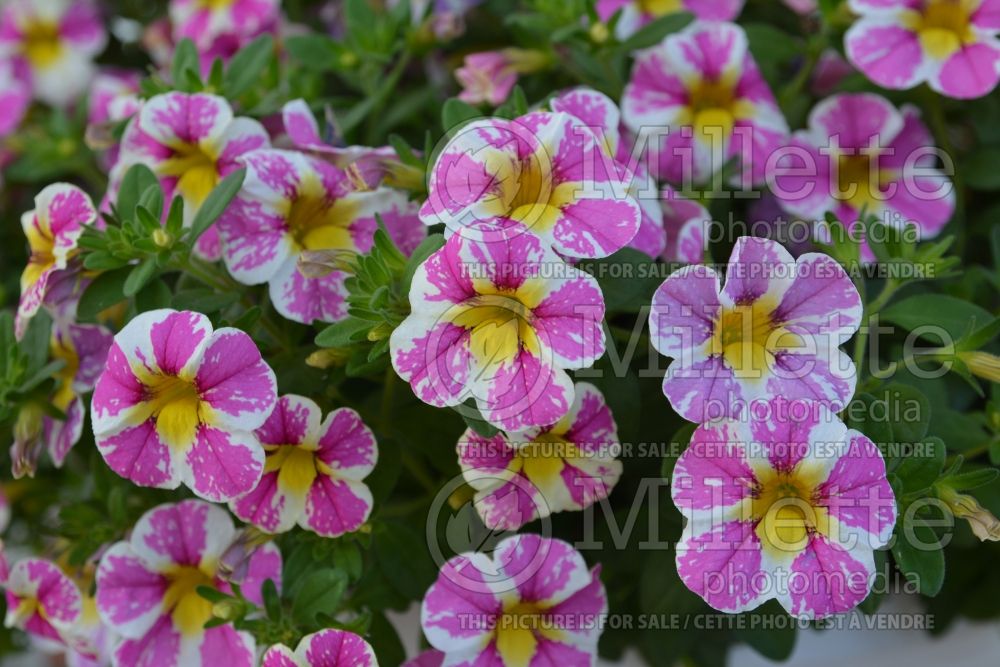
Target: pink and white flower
{"type": "Point", "coordinates": [532, 604]}
{"type": "Point", "coordinates": [788, 504]}
{"type": "Point", "coordinates": [568, 465]}
{"type": "Point", "coordinates": [637, 13]}
{"type": "Point", "coordinates": [53, 229]}
{"type": "Point", "coordinates": [58, 40]}
{"type": "Point", "coordinates": [15, 95]}
{"type": "Point", "coordinates": [291, 203]}
{"type": "Point", "coordinates": [147, 588]}
{"type": "Point", "coordinates": [178, 403]}
{"type": "Point", "coordinates": [314, 471]}
{"type": "Point", "coordinates": [702, 101]}
{"type": "Point", "coordinates": [544, 173]}
{"type": "Point", "coordinates": [499, 321]}
{"type": "Point", "coordinates": [598, 112]}
{"type": "Point", "coordinates": [205, 23]}
{"type": "Point", "coordinates": [84, 349]}
{"type": "Point", "coordinates": [486, 77]}
{"type": "Point", "coordinates": [950, 44]}
{"type": "Point", "coordinates": [191, 142]}
{"type": "Point", "coordinates": [860, 153]}
{"type": "Point", "coordinates": [42, 600]}
{"type": "Point", "coordinates": [326, 648]}
{"type": "Point", "coordinates": [773, 330]}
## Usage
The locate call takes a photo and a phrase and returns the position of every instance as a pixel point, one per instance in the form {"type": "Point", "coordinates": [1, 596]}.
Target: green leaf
{"type": "Point", "coordinates": [923, 468]}
{"type": "Point", "coordinates": [474, 420]}
{"type": "Point", "coordinates": [385, 640]}
{"type": "Point", "coordinates": [216, 203]}
{"type": "Point", "coordinates": [973, 479]}
{"type": "Point", "coordinates": [138, 277]}
{"type": "Point", "coordinates": [909, 412]}
{"type": "Point", "coordinates": [137, 180]}
{"type": "Point", "coordinates": [979, 168]}
{"type": "Point", "coordinates": [204, 300]}
{"type": "Point", "coordinates": [456, 113]}
{"type": "Point", "coordinates": [628, 279]}
{"type": "Point", "coordinates": [427, 247]}
{"type": "Point", "coordinates": [272, 599]}
{"type": "Point", "coordinates": [654, 32]}
{"type": "Point", "coordinates": [766, 632]}
{"type": "Point", "coordinates": [403, 558]}
{"type": "Point", "coordinates": [315, 51]}
{"type": "Point", "coordinates": [246, 66]}
{"type": "Point", "coordinates": [320, 593]}
{"type": "Point", "coordinates": [922, 564]}
{"type": "Point", "coordinates": [953, 316]}
{"type": "Point", "coordinates": [185, 64]}
{"type": "Point", "coordinates": [106, 290]}
{"type": "Point", "coordinates": [344, 333]}
{"type": "Point", "coordinates": [153, 296]}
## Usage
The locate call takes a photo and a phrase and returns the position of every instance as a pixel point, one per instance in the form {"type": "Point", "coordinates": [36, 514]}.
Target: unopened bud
{"type": "Point", "coordinates": [227, 610]}
{"type": "Point", "coordinates": [527, 61]}
{"type": "Point", "coordinates": [161, 238]}
{"type": "Point", "coordinates": [984, 525]}
{"type": "Point", "coordinates": [319, 263]}
{"type": "Point", "coordinates": [235, 562]}
{"type": "Point", "coordinates": [327, 357]}
{"type": "Point", "coordinates": [461, 496]}
{"type": "Point", "coordinates": [599, 32]}
{"type": "Point", "coordinates": [982, 364]}
{"type": "Point", "coordinates": [380, 331]}
{"type": "Point", "coordinates": [27, 447]}
{"type": "Point", "coordinates": [404, 176]}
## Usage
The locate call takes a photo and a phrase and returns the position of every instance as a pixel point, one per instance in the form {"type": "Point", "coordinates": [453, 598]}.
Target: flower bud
{"type": "Point", "coordinates": [982, 364]}
{"type": "Point", "coordinates": [227, 610]}
{"type": "Point", "coordinates": [327, 357]}
{"type": "Point", "coordinates": [984, 525]}
{"type": "Point", "coordinates": [161, 238]}
{"type": "Point", "coordinates": [27, 447]}
{"type": "Point", "coordinates": [235, 562]}
{"type": "Point", "coordinates": [599, 32]}
{"type": "Point", "coordinates": [319, 263]}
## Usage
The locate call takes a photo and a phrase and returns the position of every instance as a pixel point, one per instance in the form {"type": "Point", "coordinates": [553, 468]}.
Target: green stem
{"type": "Point", "coordinates": [870, 309]}
{"type": "Point", "coordinates": [939, 127]}
{"type": "Point", "coordinates": [382, 95]}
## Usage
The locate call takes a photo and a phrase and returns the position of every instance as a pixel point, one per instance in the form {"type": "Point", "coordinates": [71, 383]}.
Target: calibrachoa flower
{"type": "Point", "coordinates": [700, 94]}
{"type": "Point", "coordinates": [291, 203]}
{"type": "Point", "coordinates": [205, 22]}
{"type": "Point", "coordinates": [178, 403]}
{"type": "Point", "coordinates": [58, 39]}
{"type": "Point", "coordinates": [147, 588]}
{"type": "Point", "coordinates": [42, 600]}
{"type": "Point", "coordinates": [637, 13]}
{"type": "Point", "coordinates": [429, 658]}
{"type": "Point", "coordinates": [15, 95]}
{"type": "Point", "coordinates": [598, 112]}
{"type": "Point", "coordinates": [534, 602]}
{"type": "Point", "coordinates": [326, 648]}
{"type": "Point", "coordinates": [950, 44]}
{"type": "Point", "coordinates": [53, 229]}
{"type": "Point", "coordinates": [860, 153]}
{"type": "Point", "coordinates": [773, 330]}
{"type": "Point", "coordinates": [191, 142]}
{"type": "Point", "coordinates": [84, 349]}
{"type": "Point", "coordinates": [546, 173]}
{"type": "Point", "coordinates": [313, 471]}
{"type": "Point", "coordinates": [499, 321]}
{"type": "Point", "coordinates": [486, 77]}
{"type": "Point", "coordinates": [789, 504]}
{"type": "Point", "coordinates": [568, 465]}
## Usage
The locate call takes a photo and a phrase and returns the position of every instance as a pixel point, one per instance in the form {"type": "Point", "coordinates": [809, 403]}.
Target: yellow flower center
{"type": "Point", "coordinates": [747, 337]}
{"type": "Point", "coordinates": [542, 461]}
{"type": "Point", "coordinates": [215, 5]}
{"type": "Point", "coordinates": [188, 610]}
{"type": "Point", "coordinates": [297, 467]}
{"type": "Point", "coordinates": [41, 44]}
{"type": "Point", "coordinates": [499, 321]}
{"type": "Point", "coordinates": [195, 168]}
{"type": "Point", "coordinates": [516, 632]}
{"type": "Point", "coordinates": [784, 508]}
{"type": "Point", "coordinates": [659, 7]}
{"type": "Point", "coordinates": [316, 222]}
{"type": "Point", "coordinates": [42, 256]}
{"type": "Point", "coordinates": [63, 350]}
{"type": "Point", "coordinates": [176, 405]}
{"type": "Point", "coordinates": [859, 180]}
{"type": "Point", "coordinates": [944, 26]}
{"type": "Point", "coordinates": [529, 193]}
{"type": "Point", "coordinates": [713, 107]}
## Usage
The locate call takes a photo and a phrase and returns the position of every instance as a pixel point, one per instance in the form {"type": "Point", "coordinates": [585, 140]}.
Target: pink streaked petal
{"type": "Point", "coordinates": [336, 506]}
{"type": "Point", "coordinates": [857, 493]}
{"type": "Point", "coordinates": [827, 376]}
{"type": "Point", "coordinates": [429, 658]}
{"type": "Point", "coordinates": [684, 310]}
{"type": "Point", "coordinates": [308, 300]}
{"type": "Point", "coordinates": [460, 604]}
{"type": "Point", "coordinates": [59, 599]}
{"type": "Point", "coordinates": [855, 120]}
{"type": "Point", "coordinates": [713, 472]}
{"type": "Point", "coordinates": [704, 389]}
{"type": "Point", "coordinates": [224, 645]}
{"type": "Point", "coordinates": [822, 301]}
{"type": "Point", "coordinates": [235, 381]}
{"type": "Point", "coordinates": [526, 392]}
{"type": "Point", "coordinates": [265, 564]}
{"type": "Point", "coordinates": [971, 72]}
{"type": "Point", "coordinates": [159, 647]}
{"type": "Point", "coordinates": [335, 648]}
{"type": "Point", "coordinates": [223, 464]}
{"type": "Point", "coordinates": [757, 268]}
{"type": "Point", "coordinates": [294, 420]}
{"type": "Point", "coordinates": [137, 453]}
{"type": "Point", "coordinates": [542, 570]}
{"type": "Point", "coordinates": [597, 227]}
{"type": "Point", "coordinates": [831, 580]}
{"type": "Point", "coordinates": [268, 507]}
{"type": "Point", "coordinates": [187, 533]}
{"type": "Point", "coordinates": [569, 320]}
{"type": "Point", "coordinates": [723, 566]}
{"type": "Point", "coordinates": [434, 358]}
{"type": "Point", "coordinates": [583, 608]}
{"type": "Point", "coordinates": [174, 119]}
{"type": "Point", "coordinates": [240, 137]}
{"type": "Point", "coordinates": [347, 445]}
{"type": "Point", "coordinates": [595, 109]}
{"type": "Point", "coordinates": [116, 393]}
{"type": "Point", "coordinates": [255, 239]}
{"type": "Point", "coordinates": [63, 434]}
{"type": "Point", "coordinates": [92, 343]}
{"type": "Point", "coordinates": [591, 423]}
{"type": "Point", "coordinates": [129, 594]}
{"type": "Point", "coordinates": [301, 126]}
{"type": "Point", "coordinates": [66, 209]}
{"type": "Point", "coordinates": [279, 656]}
{"type": "Point", "coordinates": [887, 53]}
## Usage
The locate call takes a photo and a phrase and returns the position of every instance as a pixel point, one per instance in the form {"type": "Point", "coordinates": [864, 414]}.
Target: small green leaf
{"type": "Point", "coordinates": [246, 66]}
{"type": "Point", "coordinates": [137, 180]}
{"type": "Point", "coordinates": [654, 32]}
{"type": "Point", "coordinates": [106, 290]}
{"type": "Point", "coordinates": [344, 333]}
{"type": "Point", "coordinates": [185, 64]}
{"type": "Point", "coordinates": [936, 313]}
{"type": "Point", "coordinates": [972, 479]}
{"type": "Point", "coordinates": [216, 202]}
{"type": "Point", "coordinates": [138, 277]}
{"type": "Point", "coordinates": [456, 113]}
{"type": "Point", "coordinates": [918, 472]}
{"type": "Point", "coordinates": [921, 561]}
{"type": "Point", "coordinates": [320, 593]}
